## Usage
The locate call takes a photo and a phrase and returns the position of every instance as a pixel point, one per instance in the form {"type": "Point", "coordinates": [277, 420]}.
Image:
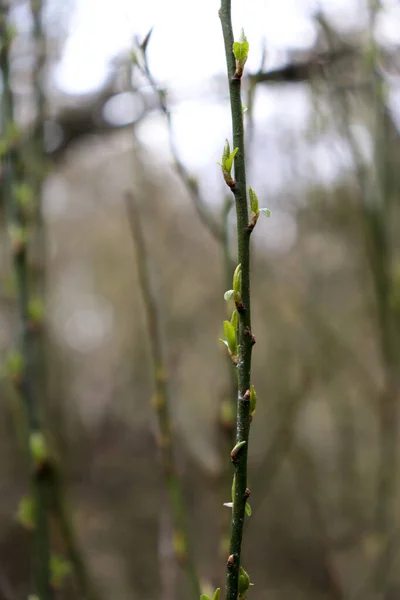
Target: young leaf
{"type": "Point", "coordinates": [228, 295]}
{"type": "Point", "coordinates": [241, 49]}
{"type": "Point", "coordinates": [217, 594]}
{"type": "Point", "coordinates": [226, 153]}
{"type": "Point", "coordinates": [265, 211]}
{"type": "Point", "coordinates": [253, 201]}
{"type": "Point", "coordinates": [26, 513]}
{"type": "Point", "coordinates": [244, 582]}
{"type": "Point", "coordinates": [229, 161]}
{"type": "Point", "coordinates": [228, 504]}
{"type": "Point", "coordinates": [230, 334]}
{"type": "Point", "coordinates": [38, 447]}
{"type": "Point", "coordinates": [205, 597]}
{"type": "Point", "coordinates": [237, 280]}
{"type": "Point", "coordinates": [59, 569]}
{"type": "Point", "coordinates": [248, 509]}
{"type": "Point", "coordinates": [237, 448]}
{"type": "Point", "coordinates": [235, 320]}
{"type": "Point", "coordinates": [253, 401]}
{"type": "Point", "coordinates": [36, 311]}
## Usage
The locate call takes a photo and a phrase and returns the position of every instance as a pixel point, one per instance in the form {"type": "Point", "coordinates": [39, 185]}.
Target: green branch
{"type": "Point", "coordinates": [18, 226]}
{"type": "Point", "coordinates": [161, 403]}
{"type": "Point", "coordinates": [246, 340]}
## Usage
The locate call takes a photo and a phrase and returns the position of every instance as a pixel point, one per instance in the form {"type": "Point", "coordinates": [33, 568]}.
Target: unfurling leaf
{"type": "Point", "coordinates": [253, 401]}
{"type": "Point", "coordinates": [265, 211]}
{"type": "Point", "coordinates": [26, 513]}
{"type": "Point", "coordinates": [59, 569]}
{"type": "Point", "coordinates": [237, 448]}
{"type": "Point", "coordinates": [235, 320]}
{"type": "Point", "coordinates": [230, 334]}
{"type": "Point", "coordinates": [228, 295]}
{"type": "Point", "coordinates": [244, 583]}
{"type": "Point", "coordinates": [229, 161]}
{"type": "Point", "coordinates": [237, 280]}
{"type": "Point", "coordinates": [241, 51]}
{"type": "Point", "coordinates": [217, 594]}
{"type": "Point", "coordinates": [228, 504]}
{"type": "Point", "coordinates": [36, 311]}
{"type": "Point", "coordinates": [204, 597]}
{"type": "Point", "coordinates": [226, 153]}
{"type": "Point", "coordinates": [248, 509]}
{"type": "Point", "coordinates": [38, 447]}
{"type": "Point", "coordinates": [241, 48]}
{"type": "Point", "coordinates": [15, 367]}
{"type": "Point", "coordinates": [253, 201]}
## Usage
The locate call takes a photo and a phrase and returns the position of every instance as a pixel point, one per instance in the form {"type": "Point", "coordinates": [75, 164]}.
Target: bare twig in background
{"type": "Point", "coordinates": [203, 211]}
{"type": "Point", "coordinates": [161, 401]}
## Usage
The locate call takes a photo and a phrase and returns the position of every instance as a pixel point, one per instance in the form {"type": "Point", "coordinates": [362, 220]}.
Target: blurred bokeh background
{"type": "Point", "coordinates": [323, 150]}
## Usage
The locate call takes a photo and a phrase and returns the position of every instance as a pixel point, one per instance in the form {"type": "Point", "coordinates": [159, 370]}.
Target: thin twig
{"type": "Point", "coordinates": [245, 337]}
{"type": "Point", "coordinates": [161, 402]}
{"type": "Point", "coordinates": [204, 213]}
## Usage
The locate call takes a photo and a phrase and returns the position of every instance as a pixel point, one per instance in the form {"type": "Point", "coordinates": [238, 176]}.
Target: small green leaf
{"type": "Point", "coordinates": [253, 201]}
{"type": "Point", "coordinates": [233, 488]}
{"type": "Point", "coordinates": [241, 49]}
{"type": "Point", "coordinates": [217, 594]}
{"type": "Point", "coordinates": [229, 161]}
{"type": "Point", "coordinates": [26, 513]}
{"type": "Point", "coordinates": [226, 153]}
{"type": "Point", "coordinates": [228, 295]}
{"type": "Point", "coordinates": [265, 211]}
{"type": "Point", "coordinates": [244, 582]}
{"type": "Point", "coordinates": [237, 280]}
{"type": "Point", "coordinates": [205, 597]}
{"type": "Point", "coordinates": [237, 448]}
{"type": "Point", "coordinates": [24, 196]}
{"type": "Point", "coordinates": [224, 342]}
{"type": "Point", "coordinates": [38, 447]}
{"type": "Point", "coordinates": [244, 109]}
{"type": "Point", "coordinates": [18, 237]}
{"type": "Point", "coordinates": [230, 334]}
{"type": "Point", "coordinates": [228, 504]}
{"type": "Point", "coordinates": [253, 401]}
{"type": "Point", "coordinates": [235, 320]}
{"type": "Point", "coordinates": [14, 366]}
{"type": "Point", "coordinates": [36, 310]}
{"type": "Point", "coordinates": [248, 509]}
{"type": "Point", "coordinates": [59, 569]}
{"type": "Point", "coordinates": [179, 544]}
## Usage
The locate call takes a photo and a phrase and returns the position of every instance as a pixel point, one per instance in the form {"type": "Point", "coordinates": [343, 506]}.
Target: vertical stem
{"type": "Point", "coordinates": [41, 555]}
{"type": "Point", "coordinates": [245, 337]}
{"type": "Point", "coordinates": [161, 404]}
